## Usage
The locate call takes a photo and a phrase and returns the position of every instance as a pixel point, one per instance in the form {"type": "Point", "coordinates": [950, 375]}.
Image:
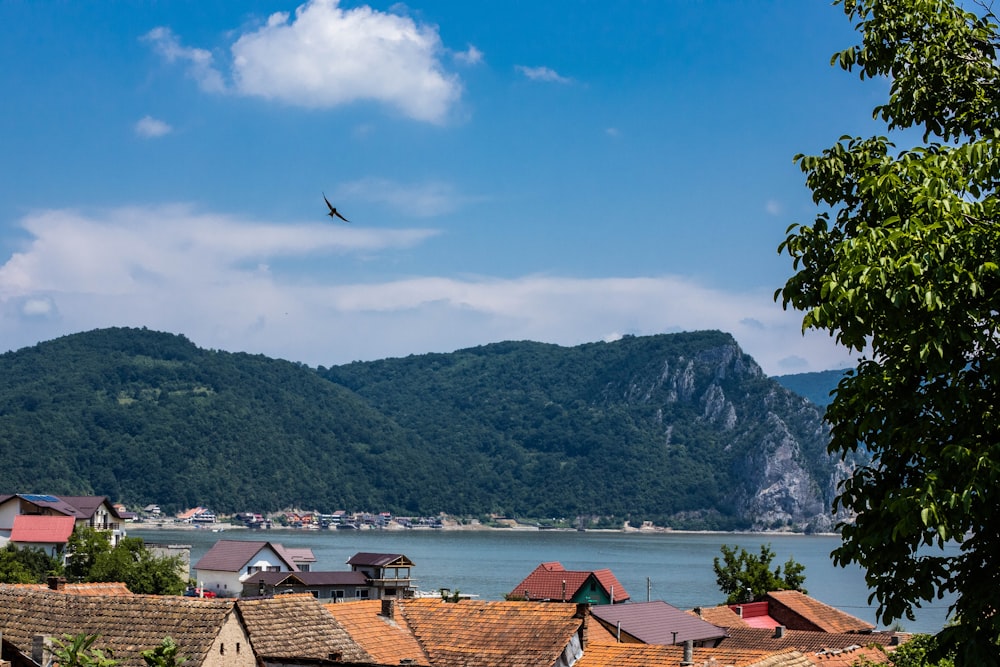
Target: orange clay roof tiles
{"type": "Point", "coordinates": [722, 616]}
{"type": "Point", "coordinates": [97, 588]}
{"type": "Point", "coordinates": [651, 655]}
{"type": "Point", "coordinates": [388, 640]}
{"type": "Point", "coordinates": [813, 612]}
{"type": "Point", "coordinates": [473, 633]}
{"type": "Point", "coordinates": [803, 640]}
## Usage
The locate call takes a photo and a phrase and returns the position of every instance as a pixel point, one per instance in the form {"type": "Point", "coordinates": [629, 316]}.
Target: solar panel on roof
{"type": "Point", "coordinates": [39, 498]}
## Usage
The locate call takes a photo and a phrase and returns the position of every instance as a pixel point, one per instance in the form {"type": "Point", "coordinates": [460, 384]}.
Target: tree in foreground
{"type": "Point", "coordinates": [745, 577]}
{"type": "Point", "coordinates": [901, 266]}
{"type": "Point", "coordinates": [27, 565]}
{"type": "Point", "coordinates": [92, 558]}
{"type": "Point", "coordinates": [78, 651]}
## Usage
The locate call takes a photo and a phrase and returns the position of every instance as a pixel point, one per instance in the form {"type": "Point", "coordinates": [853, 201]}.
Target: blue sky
{"type": "Point", "coordinates": [564, 172]}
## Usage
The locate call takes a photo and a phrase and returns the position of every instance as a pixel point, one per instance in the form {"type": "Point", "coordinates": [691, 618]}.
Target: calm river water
{"type": "Point", "coordinates": [674, 567]}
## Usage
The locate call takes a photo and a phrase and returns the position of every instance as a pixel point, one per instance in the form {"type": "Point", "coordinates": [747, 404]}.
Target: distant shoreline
{"type": "Point", "coordinates": [451, 525]}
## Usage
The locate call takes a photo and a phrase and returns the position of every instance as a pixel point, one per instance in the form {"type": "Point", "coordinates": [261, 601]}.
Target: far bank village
{"type": "Point", "coordinates": [261, 604]}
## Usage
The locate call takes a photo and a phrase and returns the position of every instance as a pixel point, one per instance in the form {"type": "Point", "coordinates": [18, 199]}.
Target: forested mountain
{"type": "Point", "coordinates": [681, 429]}
{"type": "Point", "coordinates": [814, 386]}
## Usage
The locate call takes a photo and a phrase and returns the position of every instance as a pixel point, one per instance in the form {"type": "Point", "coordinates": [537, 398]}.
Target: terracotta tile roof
{"type": "Point", "coordinates": [722, 616]}
{"type": "Point", "coordinates": [379, 560]}
{"type": "Point", "coordinates": [297, 626]}
{"type": "Point", "coordinates": [474, 633]}
{"type": "Point", "coordinates": [848, 657]}
{"type": "Point", "coordinates": [788, 607]}
{"type": "Point", "coordinates": [126, 624]}
{"type": "Point", "coordinates": [99, 588]}
{"type": "Point", "coordinates": [650, 655]}
{"type": "Point", "coordinates": [655, 622]}
{"type": "Point", "coordinates": [42, 529]}
{"type": "Point", "coordinates": [551, 581]}
{"type": "Point", "coordinates": [233, 555]}
{"type": "Point", "coordinates": [388, 640]}
{"type": "Point", "coordinates": [804, 640]}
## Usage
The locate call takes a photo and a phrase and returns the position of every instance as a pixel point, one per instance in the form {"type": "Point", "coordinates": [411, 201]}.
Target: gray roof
{"type": "Point", "coordinates": [343, 578]}
{"type": "Point", "coordinates": [655, 622]}
{"type": "Point", "coordinates": [233, 555]}
{"type": "Point", "coordinates": [379, 560]}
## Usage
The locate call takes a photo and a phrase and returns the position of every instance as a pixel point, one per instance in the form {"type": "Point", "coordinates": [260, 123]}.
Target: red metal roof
{"type": "Point", "coordinates": [41, 529]}
{"type": "Point", "coordinates": [551, 581]}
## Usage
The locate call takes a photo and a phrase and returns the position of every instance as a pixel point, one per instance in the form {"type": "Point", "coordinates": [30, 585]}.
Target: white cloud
{"type": "Point", "coordinates": [471, 56]}
{"type": "Point", "coordinates": [326, 56]}
{"type": "Point", "coordinates": [774, 207]}
{"type": "Point", "coordinates": [542, 74]}
{"type": "Point", "coordinates": [150, 127]}
{"type": "Point", "coordinates": [228, 284]}
{"type": "Point", "coordinates": [199, 61]}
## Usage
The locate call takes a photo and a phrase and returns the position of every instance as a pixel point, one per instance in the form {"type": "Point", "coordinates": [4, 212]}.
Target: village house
{"type": "Point", "coordinates": [387, 574]}
{"type": "Point", "coordinates": [551, 582]}
{"type": "Point", "coordinates": [46, 522]}
{"type": "Point", "coordinates": [277, 632]}
{"type": "Point", "coordinates": [229, 563]}
{"type": "Point", "coordinates": [325, 586]}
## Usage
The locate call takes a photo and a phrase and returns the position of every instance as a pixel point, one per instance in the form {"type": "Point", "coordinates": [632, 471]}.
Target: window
{"type": "Point", "coordinates": [252, 569]}
{"type": "Point", "coordinates": [315, 594]}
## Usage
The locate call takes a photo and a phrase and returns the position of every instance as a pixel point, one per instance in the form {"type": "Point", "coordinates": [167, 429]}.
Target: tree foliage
{"type": "Point", "coordinates": [746, 577]}
{"type": "Point", "coordinates": [92, 558]}
{"type": "Point", "coordinates": [27, 565]}
{"type": "Point", "coordinates": [901, 266]}
{"type": "Point", "coordinates": [167, 654]}
{"type": "Point", "coordinates": [78, 651]}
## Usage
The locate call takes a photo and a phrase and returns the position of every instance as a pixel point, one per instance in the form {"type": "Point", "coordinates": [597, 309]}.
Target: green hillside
{"type": "Point", "coordinates": [680, 429]}
{"type": "Point", "coordinates": [816, 387]}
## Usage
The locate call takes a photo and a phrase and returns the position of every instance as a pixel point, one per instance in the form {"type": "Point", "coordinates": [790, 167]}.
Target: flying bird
{"type": "Point", "coordinates": [333, 212]}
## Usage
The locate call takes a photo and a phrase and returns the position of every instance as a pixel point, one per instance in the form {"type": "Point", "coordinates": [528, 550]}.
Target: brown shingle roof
{"type": "Point", "coordinates": [389, 640]}
{"type": "Point", "coordinates": [651, 655]}
{"type": "Point", "coordinates": [297, 626]}
{"type": "Point", "coordinates": [379, 560]}
{"type": "Point", "coordinates": [126, 624]}
{"type": "Point", "coordinates": [232, 555]}
{"type": "Point", "coordinates": [804, 640]}
{"type": "Point", "coordinates": [473, 633]}
{"type": "Point", "coordinates": [798, 611]}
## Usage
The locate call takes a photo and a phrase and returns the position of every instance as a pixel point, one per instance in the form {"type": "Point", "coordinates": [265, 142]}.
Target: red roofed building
{"type": "Point", "coordinates": [551, 582]}
{"type": "Point", "coordinates": [38, 531]}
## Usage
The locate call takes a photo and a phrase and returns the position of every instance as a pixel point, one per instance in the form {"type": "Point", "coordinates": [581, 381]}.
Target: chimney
{"type": "Point", "coordinates": [739, 610]}
{"type": "Point", "coordinates": [779, 631]}
{"type": "Point", "coordinates": [56, 583]}
{"type": "Point", "coordinates": [388, 607]}
{"type": "Point", "coordinates": [688, 653]}
{"type": "Point", "coordinates": [697, 610]}
{"type": "Point", "coordinates": [583, 613]}
{"type": "Point", "coordinates": [41, 649]}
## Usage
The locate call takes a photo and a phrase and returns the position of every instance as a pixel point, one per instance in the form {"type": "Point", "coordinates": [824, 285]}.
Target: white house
{"type": "Point", "coordinates": [228, 563]}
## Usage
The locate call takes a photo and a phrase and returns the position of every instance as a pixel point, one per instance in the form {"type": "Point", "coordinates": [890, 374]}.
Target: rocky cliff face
{"type": "Point", "coordinates": [781, 476]}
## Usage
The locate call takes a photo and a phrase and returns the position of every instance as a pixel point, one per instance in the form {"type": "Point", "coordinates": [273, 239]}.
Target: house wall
{"type": "Point", "coordinates": [231, 647]}
{"type": "Point", "coordinates": [591, 592]}
{"type": "Point", "coordinates": [230, 584]}
{"type": "Point", "coordinates": [225, 584]}
{"type": "Point", "coordinates": [8, 511]}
